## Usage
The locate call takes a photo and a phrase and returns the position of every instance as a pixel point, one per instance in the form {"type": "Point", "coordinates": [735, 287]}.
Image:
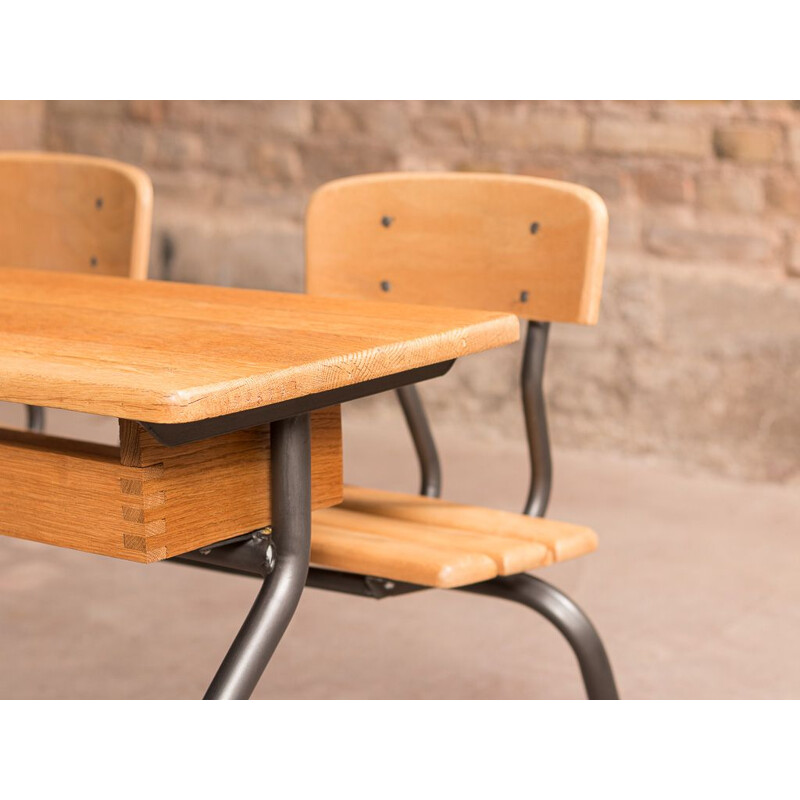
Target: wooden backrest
{"type": "Point", "coordinates": [74, 213]}
{"type": "Point", "coordinates": [529, 246]}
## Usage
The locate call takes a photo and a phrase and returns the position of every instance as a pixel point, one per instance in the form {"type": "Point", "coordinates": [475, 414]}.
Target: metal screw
{"type": "Point", "coordinates": [388, 585]}
{"type": "Point", "coordinates": [386, 286]}
{"type": "Point", "coordinates": [523, 296]}
{"type": "Point", "coordinates": [534, 227]}
{"type": "Point", "coordinates": [93, 261]}
{"type": "Point", "coordinates": [204, 551]}
{"type": "Point", "coordinates": [387, 221]}
{"type": "Point", "coordinates": [98, 203]}
{"type": "Point", "coordinates": [167, 256]}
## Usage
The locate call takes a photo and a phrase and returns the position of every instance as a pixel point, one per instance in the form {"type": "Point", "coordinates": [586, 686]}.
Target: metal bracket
{"type": "Point", "coordinates": [253, 553]}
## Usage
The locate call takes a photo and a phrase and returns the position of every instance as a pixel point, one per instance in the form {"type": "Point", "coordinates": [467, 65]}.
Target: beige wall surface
{"type": "Point", "coordinates": [697, 354]}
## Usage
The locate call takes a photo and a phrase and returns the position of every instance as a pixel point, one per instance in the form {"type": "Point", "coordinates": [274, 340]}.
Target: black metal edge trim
{"type": "Point", "coordinates": [173, 434]}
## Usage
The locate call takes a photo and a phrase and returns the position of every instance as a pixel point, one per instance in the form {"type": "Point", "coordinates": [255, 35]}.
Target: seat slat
{"type": "Point", "coordinates": [510, 556]}
{"type": "Point", "coordinates": [383, 557]}
{"type": "Point", "coordinates": [563, 540]}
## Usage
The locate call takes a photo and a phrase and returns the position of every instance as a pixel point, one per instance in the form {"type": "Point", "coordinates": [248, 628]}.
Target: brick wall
{"type": "Point", "coordinates": [697, 355]}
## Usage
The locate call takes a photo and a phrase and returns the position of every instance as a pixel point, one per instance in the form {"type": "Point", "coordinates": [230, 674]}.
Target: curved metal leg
{"type": "Point", "coordinates": [424, 444]}
{"type": "Point", "coordinates": [555, 606]}
{"type": "Point", "coordinates": [35, 418]}
{"type": "Point", "coordinates": [280, 593]}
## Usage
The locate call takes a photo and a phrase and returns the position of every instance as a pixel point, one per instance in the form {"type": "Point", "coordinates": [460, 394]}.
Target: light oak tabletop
{"type": "Point", "coordinates": [169, 352]}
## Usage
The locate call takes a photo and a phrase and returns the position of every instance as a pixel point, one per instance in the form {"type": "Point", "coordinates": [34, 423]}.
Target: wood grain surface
{"type": "Point", "coordinates": [563, 540]}
{"type": "Point", "coordinates": [74, 213]}
{"type": "Point", "coordinates": [146, 502]}
{"type": "Point", "coordinates": [528, 246]}
{"type": "Point", "coordinates": [170, 352]}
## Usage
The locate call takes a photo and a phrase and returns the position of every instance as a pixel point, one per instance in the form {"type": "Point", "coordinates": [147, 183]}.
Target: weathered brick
{"type": "Point", "coordinates": [778, 110]}
{"type": "Point", "coordinates": [290, 118]}
{"type": "Point", "coordinates": [226, 252]}
{"type": "Point", "coordinates": [480, 165]}
{"type": "Point", "coordinates": [647, 137]}
{"type": "Point", "coordinates": [537, 169]}
{"type": "Point", "coordinates": [665, 185]}
{"type": "Point", "coordinates": [735, 191]}
{"type": "Point", "coordinates": [190, 189]}
{"type": "Point", "coordinates": [702, 110]}
{"type": "Point", "coordinates": [325, 160]}
{"type": "Point", "coordinates": [415, 161]}
{"type": "Point", "coordinates": [337, 118]}
{"type": "Point", "coordinates": [87, 109]}
{"type": "Point", "coordinates": [278, 163]}
{"type": "Point", "coordinates": [794, 145]}
{"type": "Point", "coordinates": [152, 111]}
{"type": "Point", "coordinates": [632, 306]}
{"type": "Point", "coordinates": [783, 193]}
{"type": "Point", "coordinates": [388, 120]}
{"type": "Point", "coordinates": [252, 118]}
{"type": "Point", "coordinates": [21, 124]}
{"type": "Point", "coordinates": [698, 243]}
{"type": "Point", "coordinates": [178, 149]}
{"type": "Point", "coordinates": [624, 229]}
{"type": "Point", "coordinates": [568, 132]}
{"type": "Point", "coordinates": [611, 184]}
{"type": "Point", "coordinates": [443, 128]}
{"type": "Point", "coordinates": [749, 142]}
{"type": "Point", "coordinates": [264, 201]}
{"type": "Point", "coordinates": [125, 141]}
{"type": "Point", "coordinates": [794, 257]}
{"type": "Point", "coordinates": [525, 126]}
{"type": "Point", "coordinates": [229, 155]}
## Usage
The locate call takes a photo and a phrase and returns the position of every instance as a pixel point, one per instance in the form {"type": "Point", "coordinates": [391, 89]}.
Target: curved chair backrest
{"type": "Point", "coordinates": [74, 213]}
{"type": "Point", "coordinates": [528, 246]}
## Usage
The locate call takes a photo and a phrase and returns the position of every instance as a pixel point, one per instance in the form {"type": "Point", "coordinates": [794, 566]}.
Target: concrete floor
{"type": "Point", "coordinates": [695, 590]}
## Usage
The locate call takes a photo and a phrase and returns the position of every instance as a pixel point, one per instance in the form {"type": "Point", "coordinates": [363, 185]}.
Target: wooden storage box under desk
{"type": "Point", "coordinates": [146, 502]}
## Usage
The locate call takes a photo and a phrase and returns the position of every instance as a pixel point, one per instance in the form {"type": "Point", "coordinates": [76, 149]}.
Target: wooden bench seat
{"type": "Point", "coordinates": [433, 542]}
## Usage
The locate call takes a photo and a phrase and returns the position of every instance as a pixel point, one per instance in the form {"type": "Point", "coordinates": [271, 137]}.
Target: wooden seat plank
{"type": "Point", "coordinates": [563, 540]}
{"type": "Point", "coordinates": [510, 555]}
{"type": "Point", "coordinates": [385, 557]}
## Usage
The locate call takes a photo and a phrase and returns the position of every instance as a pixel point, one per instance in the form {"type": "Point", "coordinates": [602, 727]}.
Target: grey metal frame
{"type": "Point", "coordinates": [249, 558]}
{"type": "Point", "coordinates": [533, 404]}
{"type": "Point", "coordinates": [568, 618]}
{"type": "Point", "coordinates": [254, 554]}
{"type": "Point", "coordinates": [281, 560]}
{"type": "Point", "coordinates": [35, 418]}
{"type": "Point", "coordinates": [534, 407]}
{"type": "Point", "coordinates": [171, 434]}
{"type": "Point", "coordinates": [536, 594]}
{"type": "Point", "coordinates": [424, 444]}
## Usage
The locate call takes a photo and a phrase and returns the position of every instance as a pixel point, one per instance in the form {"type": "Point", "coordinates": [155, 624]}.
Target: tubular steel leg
{"type": "Point", "coordinates": [277, 600]}
{"type": "Point", "coordinates": [536, 419]}
{"type": "Point", "coordinates": [555, 606]}
{"type": "Point", "coordinates": [35, 418]}
{"type": "Point", "coordinates": [423, 441]}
